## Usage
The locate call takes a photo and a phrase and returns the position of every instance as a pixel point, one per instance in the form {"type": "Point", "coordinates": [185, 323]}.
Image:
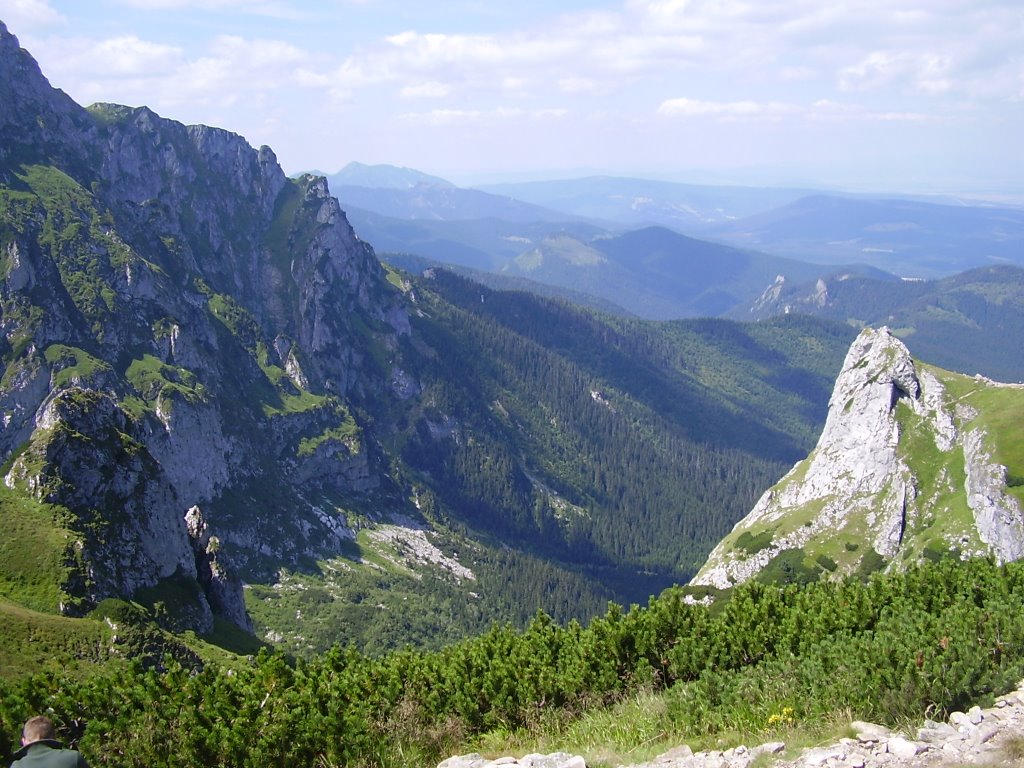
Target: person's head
{"type": "Point", "coordinates": [37, 729]}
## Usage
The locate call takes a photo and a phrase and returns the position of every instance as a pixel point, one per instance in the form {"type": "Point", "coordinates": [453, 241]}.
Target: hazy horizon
{"type": "Point", "coordinates": [887, 96]}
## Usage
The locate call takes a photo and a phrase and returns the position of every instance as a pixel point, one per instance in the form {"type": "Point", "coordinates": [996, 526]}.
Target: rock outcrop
{"type": "Point", "coordinates": [903, 469]}
{"type": "Point", "coordinates": [215, 573]}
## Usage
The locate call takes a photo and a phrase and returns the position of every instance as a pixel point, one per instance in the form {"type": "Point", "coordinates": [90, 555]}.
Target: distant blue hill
{"type": "Point", "coordinates": [908, 237]}
{"type": "Point", "coordinates": [382, 176]}
{"type": "Point", "coordinates": [594, 236]}
{"type": "Point", "coordinates": [969, 322]}
{"type": "Point", "coordinates": [641, 202]}
{"type": "Point", "coordinates": [431, 202]}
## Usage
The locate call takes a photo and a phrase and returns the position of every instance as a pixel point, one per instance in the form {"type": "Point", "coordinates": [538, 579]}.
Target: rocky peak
{"type": "Point", "coordinates": [84, 456]}
{"type": "Point", "coordinates": [902, 470]}
{"type": "Point", "coordinates": [860, 433]}
{"type": "Point", "coordinates": [150, 159]}
{"type": "Point", "coordinates": [38, 123]}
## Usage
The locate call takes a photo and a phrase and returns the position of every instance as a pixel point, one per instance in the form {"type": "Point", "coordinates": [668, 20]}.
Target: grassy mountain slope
{"type": "Point", "coordinates": [701, 278]}
{"type": "Point", "coordinates": [504, 282]}
{"type": "Point", "coordinates": [915, 462]}
{"type": "Point", "coordinates": [560, 382]}
{"type": "Point", "coordinates": [969, 322]}
{"type": "Point", "coordinates": [484, 244]}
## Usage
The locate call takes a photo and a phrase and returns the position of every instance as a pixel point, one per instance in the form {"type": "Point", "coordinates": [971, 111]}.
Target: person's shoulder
{"type": "Point", "coordinates": [51, 752]}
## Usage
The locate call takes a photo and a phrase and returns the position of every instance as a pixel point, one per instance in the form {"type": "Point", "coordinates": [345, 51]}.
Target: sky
{"type": "Point", "coordinates": [863, 95]}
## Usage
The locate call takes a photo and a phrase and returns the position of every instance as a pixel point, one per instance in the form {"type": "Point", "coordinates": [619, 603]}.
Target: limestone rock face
{"type": "Point", "coordinates": [84, 457]}
{"type": "Point", "coordinates": [871, 483]}
{"type": "Point", "coordinates": [183, 327]}
{"type": "Point", "coordinates": [26, 96]}
{"type": "Point", "coordinates": [215, 573]}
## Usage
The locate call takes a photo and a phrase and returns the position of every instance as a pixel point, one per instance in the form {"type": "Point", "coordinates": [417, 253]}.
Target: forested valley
{"type": "Point", "coordinates": [568, 457]}
{"type": "Point", "coordinates": [685, 426]}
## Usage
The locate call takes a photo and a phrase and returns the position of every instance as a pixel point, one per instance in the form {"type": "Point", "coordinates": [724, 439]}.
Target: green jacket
{"type": "Point", "coordinates": [47, 754]}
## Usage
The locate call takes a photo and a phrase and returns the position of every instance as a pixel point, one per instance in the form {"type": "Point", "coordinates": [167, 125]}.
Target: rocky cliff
{"type": "Point", "coordinates": [913, 462]}
{"type": "Point", "coordinates": [181, 324]}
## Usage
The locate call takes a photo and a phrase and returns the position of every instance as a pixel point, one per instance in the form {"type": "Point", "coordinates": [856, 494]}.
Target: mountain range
{"type": "Point", "coordinates": [722, 251]}
{"type": "Point", "coordinates": [907, 236]}
{"type": "Point", "coordinates": [222, 412]}
{"type": "Point", "coordinates": [968, 322]}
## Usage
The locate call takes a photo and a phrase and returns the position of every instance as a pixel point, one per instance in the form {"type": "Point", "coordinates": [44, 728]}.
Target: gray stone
{"type": "Point", "coordinates": [960, 720]}
{"type": "Point", "coordinates": [984, 733]}
{"type": "Point", "coordinates": [819, 755]}
{"type": "Point", "coordinates": [953, 750]}
{"type": "Point", "coordinates": [870, 731]}
{"type": "Point", "coordinates": [553, 760]}
{"type": "Point", "coordinates": [681, 752]}
{"type": "Point", "coordinates": [472, 760]}
{"type": "Point", "coordinates": [902, 747]}
{"type": "Point", "coordinates": [937, 732]}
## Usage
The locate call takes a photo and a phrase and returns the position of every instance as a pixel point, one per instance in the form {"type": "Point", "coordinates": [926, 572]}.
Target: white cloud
{"type": "Point", "coordinates": [615, 73]}
{"type": "Point", "coordinates": [131, 57]}
{"type": "Point", "coordinates": [823, 110]}
{"type": "Point", "coordinates": [134, 71]}
{"type": "Point", "coordinates": [874, 45]}
{"type": "Point", "coordinates": [925, 72]}
{"type": "Point", "coordinates": [826, 110]}
{"type": "Point", "coordinates": [28, 15]}
{"type": "Point", "coordinates": [268, 8]}
{"type": "Point", "coordinates": [440, 117]}
{"type": "Point", "coordinates": [310, 78]}
{"type": "Point", "coordinates": [427, 90]}
{"type": "Point", "coordinates": [796, 74]}
{"type": "Point", "coordinates": [577, 84]}
{"type": "Point", "coordinates": [683, 107]}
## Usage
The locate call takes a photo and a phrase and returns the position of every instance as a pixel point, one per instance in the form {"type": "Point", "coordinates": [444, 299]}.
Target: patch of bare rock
{"type": "Point", "coordinates": [993, 736]}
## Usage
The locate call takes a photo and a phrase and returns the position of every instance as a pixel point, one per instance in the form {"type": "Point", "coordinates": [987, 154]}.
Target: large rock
{"type": "Point", "coordinates": [888, 476]}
